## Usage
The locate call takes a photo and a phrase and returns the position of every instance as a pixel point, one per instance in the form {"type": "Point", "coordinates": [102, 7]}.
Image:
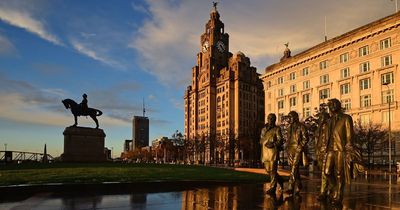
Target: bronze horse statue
{"type": "Point", "coordinates": [76, 110]}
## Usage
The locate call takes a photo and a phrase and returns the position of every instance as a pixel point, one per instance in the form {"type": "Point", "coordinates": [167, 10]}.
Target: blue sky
{"type": "Point", "coordinates": [119, 52]}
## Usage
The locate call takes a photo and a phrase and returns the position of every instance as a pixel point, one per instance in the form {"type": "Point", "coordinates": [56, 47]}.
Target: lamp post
{"type": "Point", "coordinates": [389, 99]}
{"type": "Point", "coordinates": [5, 147]}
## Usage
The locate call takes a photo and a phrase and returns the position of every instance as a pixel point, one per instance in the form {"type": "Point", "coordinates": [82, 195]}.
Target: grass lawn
{"type": "Point", "coordinates": [117, 172]}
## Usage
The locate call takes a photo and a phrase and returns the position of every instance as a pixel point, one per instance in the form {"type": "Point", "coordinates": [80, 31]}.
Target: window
{"type": "Point", "coordinates": [269, 84]}
{"type": "Point", "coordinates": [345, 88]}
{"type": "Point", "coordinates": [387, 78]}
{"type": "Point", "coordinates": [305, 71]}
{"type": "Point", "coordinates": [365, 83]}
{"type": "Point", "coordinates": [306, 112]}
{"type": "Point", "coordinates": [292, 88]}
{"type": "Point", "coordinates": [306, 98]}
{"type": "Point", "coordinates": [280, 92]}
{"type": "Point", "coordinates": [346, 104]}
{"type": "Point", "coordinates": [344, 73]}
{"type": "Point", "coordinates": [365, 100]}
{"type": "Point", "coordinates": [385, 116]}
{"type": "Point", "coordinates": [324, 93]}
{"type": "Point", "coordinates": [365, 119]}
{"type": "Point", "coordinates": [344, 58]}
{"type": "Point", "coordinates": [387, 96]}
{"type": "Point", "coordinates": [306, 85]}
{"type": "Point", "coordinates": [363, 51]}
{"type": "Point", "coordinates": [280, 80]}
{"type": "Point", "coordinates": [280, 104]}
{"type": "Point", "coordinates": [292, 101]}
{"type": "Point", "coordinates": [292, 76]}
{"type": "Point", "coordinates": [323, 64]}
{"type": "Point", "coordinates": [364, 67]}
{"type": "Point", "coordinates": [324, 79]}
{"type": "Point", "coordinates": [386, 43]}
{"type": "Point", "coordinates": [386, 60]}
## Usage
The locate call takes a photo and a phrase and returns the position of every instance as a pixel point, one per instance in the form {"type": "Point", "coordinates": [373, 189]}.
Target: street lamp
{"type": "Point", "coordinates": [5, 147]}
{"type": "Point", "coordinates": [389, 99]}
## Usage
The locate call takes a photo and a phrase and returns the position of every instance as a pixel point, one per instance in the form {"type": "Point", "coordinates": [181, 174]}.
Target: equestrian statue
{"type": "Point", "coordinates": [82, 109]}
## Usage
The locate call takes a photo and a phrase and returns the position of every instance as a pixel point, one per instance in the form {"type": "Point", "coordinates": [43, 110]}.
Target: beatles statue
{"type": "Point", "coordinates": [337, 156]}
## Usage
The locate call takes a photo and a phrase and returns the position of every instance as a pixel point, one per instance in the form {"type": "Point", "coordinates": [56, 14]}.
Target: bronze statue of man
{"type": "Point", "coordinates": [271, 143]}
{"type": "Point", "coordinates": [340, 151]}
{"type": "Point", "coordinates": [297, 140]}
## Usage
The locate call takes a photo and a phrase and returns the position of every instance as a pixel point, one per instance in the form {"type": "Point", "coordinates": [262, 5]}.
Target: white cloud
{"type": "Point", "coordinates": [6, 46]}
{"type": "Point", "coordinates": [23, 19]}
{"type": "Point", "coordinates": [85, 50]}
{"type": "Point", "coordinates": [168, 42]}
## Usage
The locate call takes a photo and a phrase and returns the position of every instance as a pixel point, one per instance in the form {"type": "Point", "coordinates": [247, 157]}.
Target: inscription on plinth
{"type": "Point", "coordinates": [83, 145]}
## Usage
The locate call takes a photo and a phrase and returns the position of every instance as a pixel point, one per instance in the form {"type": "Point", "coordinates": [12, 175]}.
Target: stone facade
{"type": "Point", "coordinates": [83, 145]}
{"type": "Point", "coordinates": [360, 68]}
{"type": "Point", "coordinates": [224, 105]}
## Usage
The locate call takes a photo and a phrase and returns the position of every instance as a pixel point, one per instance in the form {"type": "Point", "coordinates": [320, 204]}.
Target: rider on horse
{"type": "Point", "coordinates": [84, 104]}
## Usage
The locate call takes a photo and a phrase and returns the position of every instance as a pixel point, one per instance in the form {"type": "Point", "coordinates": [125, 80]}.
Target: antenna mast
{"type": "Point", "coordinates": [144, 109]}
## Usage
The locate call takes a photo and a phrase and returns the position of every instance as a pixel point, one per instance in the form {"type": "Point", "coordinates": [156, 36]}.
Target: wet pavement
{"type": "Point", "coordinates": [365, 193]}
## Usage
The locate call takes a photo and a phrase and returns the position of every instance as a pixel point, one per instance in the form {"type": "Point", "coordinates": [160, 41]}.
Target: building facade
{"type": "Point", "coordinates": [360, 68]}
{"type": "Point", "coordinates": [140, 132]}
{"type": "Point", "coordinates": [224, 105]}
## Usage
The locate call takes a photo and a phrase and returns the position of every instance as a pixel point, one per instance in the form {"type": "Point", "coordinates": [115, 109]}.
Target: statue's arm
{"type": "Point", "coordinates": [349, 132]}
{"type": "Point", "coordinates": [279, 137]}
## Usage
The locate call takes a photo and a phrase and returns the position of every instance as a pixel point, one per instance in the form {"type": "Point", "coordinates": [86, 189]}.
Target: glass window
{"type": "Point", "coordinates": [344, 73]}
{"type": "Point", "coordinates": [386, 60]}
{"type": "Point", "coordinates": [292, 101]}
{"type": "Point", "coordinates": [385, 116]}
{"type": "Point", "coordinates": [365, 100]}
{"type": "Point", "coordinates": [280, 92]}
{"type": "Point", "coordinates": [305, 71]}
{"type": "Point", "coordinates": [344, 57]}
{"type": "Point", "coordinates": [324, 93]}
{"type": "Point", "coordinates": [280, 80]}
{"type": "Point", "coordinates": [346, 104]}
{"type": "Point", "coordinates": [345, 88]}
{"type": "Point", "coordinates": [306, 85]}
{"type": "Point", "coordinates": [387, 78]}
{"type": "Point", "coordinates": [386, 43]}
{"type": "Point", "coordinates": [306, 112]}
{"type": "Point", "coordinates": [363, 51]}
{"type": "Point", "coordinates": [280, 104]}
{"type": "Point", "coordinates": [365, 83]}
{"type": "Point", "coordinates": [387, 96]}
{"type": "Point", "coordinates": [292, 88]}
{"type": "Point", "coordinates": [324, 79]}
{"type": "Point", "coordinates": [323, 64]}
{"type": "Point", "coordinates": [365, 119]}
{"type": "Point", "coordinates": [306, 98]}
{"type": "Point", "coordinates": [364, 67]}
{"type": "Point", "coordinates": [292, 76]}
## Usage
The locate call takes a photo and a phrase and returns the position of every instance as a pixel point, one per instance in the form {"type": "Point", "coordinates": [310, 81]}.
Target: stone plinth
{"type": "Point", "coordinates": [83, 145]}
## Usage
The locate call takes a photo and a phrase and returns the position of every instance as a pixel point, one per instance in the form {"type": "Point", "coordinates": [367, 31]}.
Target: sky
{"type": "Point", "coordinates": [123, 52]}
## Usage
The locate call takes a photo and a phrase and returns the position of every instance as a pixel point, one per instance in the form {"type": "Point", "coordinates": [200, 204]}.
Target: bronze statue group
{"type": "Point", "coordinates": [338, 159]}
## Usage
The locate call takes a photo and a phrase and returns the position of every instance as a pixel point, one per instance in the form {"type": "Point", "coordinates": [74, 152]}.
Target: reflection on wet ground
{"type": "Point", "coordinates": [363, 194]}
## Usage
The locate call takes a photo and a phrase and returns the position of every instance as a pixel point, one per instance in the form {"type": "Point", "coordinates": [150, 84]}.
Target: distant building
{"type": "Point", "coordinates": [107, 153]}
{"type": "Point", "coordinates": [127, 145]}
{"type": "Point", "coordinates": [224, 105]}
{"type": "Point", "coordinates": [140, 132]}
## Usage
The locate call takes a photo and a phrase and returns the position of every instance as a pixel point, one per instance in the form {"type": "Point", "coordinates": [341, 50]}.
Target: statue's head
{"type": "Point", "coordinates": [84, 95]}
{"type": "Point", "coordinates": [293, 117]}
{"type": "Point", "coordinates": [271, 119]}
{"type": "Point", "coordinates": [334, 105]}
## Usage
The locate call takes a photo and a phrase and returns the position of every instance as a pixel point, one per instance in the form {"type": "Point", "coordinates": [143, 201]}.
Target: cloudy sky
{"type": "Point", "coordinates": [121, 52]}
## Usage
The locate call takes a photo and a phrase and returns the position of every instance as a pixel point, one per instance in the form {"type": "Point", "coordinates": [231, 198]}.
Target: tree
{"type": "Point", "coordinates": [370, 139]}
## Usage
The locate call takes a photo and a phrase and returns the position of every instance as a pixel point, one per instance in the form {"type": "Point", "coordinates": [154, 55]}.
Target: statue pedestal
{"type": "Point", "coordinates": [83, 145]}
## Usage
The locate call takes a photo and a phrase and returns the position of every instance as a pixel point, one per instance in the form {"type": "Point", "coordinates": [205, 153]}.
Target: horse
{"type": "Point", "coordinates": [76, 110]}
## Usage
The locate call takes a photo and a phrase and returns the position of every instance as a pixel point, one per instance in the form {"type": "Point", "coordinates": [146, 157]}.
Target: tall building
{"type": "Point", "coordinates": [140, 132]}
{"type": "Point", "coordinates": [360, 68]}
{"type": "Point", "coordinates": [127, 145]}
{"type": "Point", "coordinates": [224, 105]}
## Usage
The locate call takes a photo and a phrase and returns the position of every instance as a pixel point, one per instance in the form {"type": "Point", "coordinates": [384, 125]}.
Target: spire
{"type": "Point", "coordinates": [45, 159]}
{"type": "Point", "coordinates": [214, 12]}
{"type": "Point", "coordinates": [144, 109]}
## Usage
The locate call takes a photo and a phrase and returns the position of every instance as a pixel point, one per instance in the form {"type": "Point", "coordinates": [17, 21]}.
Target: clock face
{"type": "Point", "coordinates": [205, 46]}
{"type": "Point", "coordinates": [220, 46]}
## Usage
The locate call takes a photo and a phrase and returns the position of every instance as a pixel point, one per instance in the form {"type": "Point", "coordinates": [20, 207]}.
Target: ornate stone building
{"type": "Point", "coordinates": [360, 68]}
{"type": "Point", "coordinates": [224, 105]}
